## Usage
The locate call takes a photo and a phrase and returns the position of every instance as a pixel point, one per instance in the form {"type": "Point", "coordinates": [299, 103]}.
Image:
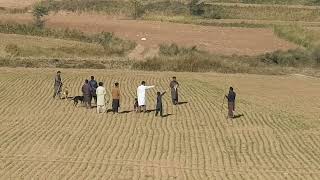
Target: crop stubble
{"type": "Point", "coordinates": [42, 138]}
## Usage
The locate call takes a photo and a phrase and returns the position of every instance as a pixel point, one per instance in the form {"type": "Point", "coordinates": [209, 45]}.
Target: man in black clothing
{"type": "Point", "coordinates": [231, 102]}
{"type": "Point", "coordinates": [94, 85]}
{"type": "Point", "coordinates": [159, 104]}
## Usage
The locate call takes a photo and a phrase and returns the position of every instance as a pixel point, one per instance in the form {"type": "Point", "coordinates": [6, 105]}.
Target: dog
{"type": "Point", "coordinates": [136, 105]}
{"type": "Point", "coordinates": [65, 93]}
{"type": "Point", "coordinates": [76, 100]}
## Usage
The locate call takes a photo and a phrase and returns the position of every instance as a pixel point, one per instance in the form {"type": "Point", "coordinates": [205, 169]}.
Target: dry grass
{"type": "Point", "coordinates": [31, 46]}
{"type": "Point", "coordinates": [42, 138]}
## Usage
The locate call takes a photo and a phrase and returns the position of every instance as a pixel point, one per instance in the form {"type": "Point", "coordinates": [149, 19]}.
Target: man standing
{"type": "Point", "coordinates": [86, 90]}
{"type": "Point", "coordinates": [101, 93]}
{"type": "Point", "coordinates": [94, 85]}
{"type": "Point", "coordinates": [57, 84]}
{"type": "Point", "coordinates": [115, 98]}
{"type": "Point", "coordinates": [141, 93]}
{"type": "Point", "coordinates": [174, 90]}
{"type": "Point", "coordinates": [231, 97]}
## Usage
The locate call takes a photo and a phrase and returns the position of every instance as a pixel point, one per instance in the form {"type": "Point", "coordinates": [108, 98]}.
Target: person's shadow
{"type": "Point", "coordinates": [180, 103]}
{"type": "Point", "coordinates": [125, 112]}
{"type": "Point", "coordinates": [238, 116]}
{"type": "Point", "coordinates": [167, 115]}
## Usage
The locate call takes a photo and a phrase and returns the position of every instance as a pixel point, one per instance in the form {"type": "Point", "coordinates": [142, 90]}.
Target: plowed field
{"type": "Point", "coordinates": [277, 138]}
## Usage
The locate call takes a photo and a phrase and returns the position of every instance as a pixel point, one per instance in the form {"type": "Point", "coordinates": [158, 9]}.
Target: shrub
{"type": "Point", "coordinates": [112, 44]}
{"type": "Point", "coordinates": [138, 9]}
{"type": "Point", "coordinates": [12, 49]}
{"type": "Point", "coordinates": [39, 12]}
{"type": "Point", "coordinates": [196, 7]}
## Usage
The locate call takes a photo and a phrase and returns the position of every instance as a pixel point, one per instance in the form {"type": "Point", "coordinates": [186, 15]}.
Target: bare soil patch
{"type": "Point", "coordinates": [222, 40]}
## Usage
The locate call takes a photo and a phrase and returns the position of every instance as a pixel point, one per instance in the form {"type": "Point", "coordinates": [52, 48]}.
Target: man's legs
{"type": "Point", "coordinates": [161, 112]}
{"type": "Point", "coordinates": [157, 112]}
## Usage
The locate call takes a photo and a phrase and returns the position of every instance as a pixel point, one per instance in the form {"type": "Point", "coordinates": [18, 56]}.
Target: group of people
{"type": "Point", "coordinates": [93, 90]}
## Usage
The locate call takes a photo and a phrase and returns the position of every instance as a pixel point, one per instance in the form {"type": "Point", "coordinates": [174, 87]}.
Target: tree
{"type": "Point", "coordinates": [39, 12]}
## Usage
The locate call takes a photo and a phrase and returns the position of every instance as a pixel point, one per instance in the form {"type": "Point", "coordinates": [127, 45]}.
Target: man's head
{"type": "Point", "coordinates": [143, 83]}
{"type": "Point", "coordinates": [92, 77]}
{"type": "Point", "coordinates": [59, 72]}
{"type": "Point", "coordinates": [86, 81]}
{"type": "Point", "coordinates": [231, 89]}
{"type": "Point", "coordinates": [100, 83]}
{"type": "Point", "coordinates": [174, 78]}
{"type": "Point", "coordinates": [158, 93]}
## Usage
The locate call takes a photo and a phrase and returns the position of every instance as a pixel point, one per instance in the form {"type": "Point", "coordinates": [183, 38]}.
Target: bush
{"type": "Point", "coordinates": [112, 44]}
{"type": "Point", "coordinates": [138, 9]}
{"type": "Point", "coordinates": [290, 58]}
{"type": "Point", "coordinates": [39, 12]}
{"type": "Point", "coordinates": [12, 49]}
{"type": "Point", "coordinates": [196, 7]}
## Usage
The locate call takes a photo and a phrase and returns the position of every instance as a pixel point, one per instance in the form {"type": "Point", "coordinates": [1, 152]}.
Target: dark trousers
{"type": "Point", "coordinates": [57, 91]}
{"type": "Point", "coordinates": [87, 101]}
{"type": "Point", "coordinates": [159, 110]}
{"type": "Point", "coordinates": [115, 105]}
{"type": "Point", "coordinates": [94, 97]}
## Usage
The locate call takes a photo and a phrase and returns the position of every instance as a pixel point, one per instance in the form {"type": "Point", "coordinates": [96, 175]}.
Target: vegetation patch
{"type": "Point", "coordinates": [111, 43]}
{"type": "Point", "coordinates": [174, 58]}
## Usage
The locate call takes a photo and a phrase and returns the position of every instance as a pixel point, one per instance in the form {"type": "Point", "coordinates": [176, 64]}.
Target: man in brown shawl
{"type": "Point", "coordinates": [174, 90]}
{"type": "Point", "coordinates": [57, 85]}
{"type": "Point", "coordinates": [231, 97]}
{"type": "Point", "coordinates": [86, 90]}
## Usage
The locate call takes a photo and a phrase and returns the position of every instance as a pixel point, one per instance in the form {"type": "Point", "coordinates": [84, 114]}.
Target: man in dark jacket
{"type": "Point", "coordinates": [94, 85]}
{"type": "Point", "coordinates": [159, 107]}
{"type": "Point", "coordinates": [231, 97]}
{"type": "Point", "coordinates": [174, 91]}
{"type": "Point", "coordinates": [57, 85]}
{"type": "Point", "coordinates": [86, 90]}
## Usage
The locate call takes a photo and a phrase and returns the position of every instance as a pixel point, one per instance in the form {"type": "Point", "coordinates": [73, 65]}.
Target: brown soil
{"type": "Point", "coordinates": [222, 40]}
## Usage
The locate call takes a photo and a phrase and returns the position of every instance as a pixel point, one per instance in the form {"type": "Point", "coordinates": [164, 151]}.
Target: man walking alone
{"type": "Point", "coordinates": [231, 97]}
{"type": "Point", "coordinates": [57, 85]}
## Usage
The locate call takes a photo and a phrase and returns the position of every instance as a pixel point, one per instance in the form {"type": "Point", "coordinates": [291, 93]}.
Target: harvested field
{"type": "Point", "coordinates": [277, 138]}
{"type": "Point", "coordinates": [222, 40]}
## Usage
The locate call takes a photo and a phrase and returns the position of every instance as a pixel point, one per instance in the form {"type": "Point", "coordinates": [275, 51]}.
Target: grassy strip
{"type": "Point", "coordinates": [203, 21]}
{"type": "Point", "coordinates": [110, 43]}
{"type": "Point", "coordinates": [298, 35]}
{"type": "Point", "coordinates": [65, 63]}
{"type": "Point", "coordinates": [174, 58]}
{"type": "Point", "coordinates": [210, 11]}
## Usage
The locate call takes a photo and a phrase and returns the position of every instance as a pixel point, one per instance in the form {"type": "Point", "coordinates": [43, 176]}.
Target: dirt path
{"type": "Point", "coordinates": [222, 40]}
{"type": "Point", "coordinates": [277, 138]}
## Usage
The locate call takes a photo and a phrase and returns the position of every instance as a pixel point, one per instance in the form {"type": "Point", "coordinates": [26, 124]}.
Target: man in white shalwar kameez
{"type": "Point", "coordinates": [101, 93]}
{"type": "Point", "coordinates": [141, 93]}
